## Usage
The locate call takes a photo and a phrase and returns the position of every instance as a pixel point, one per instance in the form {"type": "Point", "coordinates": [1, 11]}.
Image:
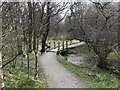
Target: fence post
{"type": "Point", "coordinates": [63, 45]}
{"type": "Point", "coordinates": [70, 42]}
{"type": "Point", "coordinates": [58, 46]}
{"type": "Point", "coordinates": [66, 44]}
{"type": "Point", "coordinates": [49, 45]}
{"type": "Point", "coordinates": [54, 45]}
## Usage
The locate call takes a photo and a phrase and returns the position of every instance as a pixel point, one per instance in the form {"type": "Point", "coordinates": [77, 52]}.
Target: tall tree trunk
{"type": "Point", "coordinates": [17, 28]}
{"type": "Point", "coordinates": [34, 40]}
{"type": "Point", "coordinates": [36, 52]}
{"type": "Point", "coordinates": [44, 36]}
{"type": "Point", "coordinates": [34, 29]}
{"type": "Point", "coordinates": [19, 42]}
{"type": "Point", "coordinates": [119, 28]}
{"type": "Point", "coordinates": [36, 63]}
{"type": "Point", "coordinates": [37, 42]}
{"type": "Point", "coordinates": [36, 58]}
{"type": "Point", "coordinates": [30, 26]}
{"type": "Point", "coordinates": [1, 73]}
{"type": "Point", "coordinates": [25, 40]}
{"type": "Point", "coordinates": [29, 41]}
{"type": "Point", "coordinates": [28, 60]}
{"type": "Point", "coordinates": [119, 36]}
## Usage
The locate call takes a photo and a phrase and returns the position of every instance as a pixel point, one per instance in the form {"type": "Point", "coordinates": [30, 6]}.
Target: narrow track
{"type": "Point", "coordinates": [57, 76]}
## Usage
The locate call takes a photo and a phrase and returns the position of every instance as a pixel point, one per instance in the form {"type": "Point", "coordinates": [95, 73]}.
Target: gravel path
{"type": "Point", "coordinates": [57, 76]}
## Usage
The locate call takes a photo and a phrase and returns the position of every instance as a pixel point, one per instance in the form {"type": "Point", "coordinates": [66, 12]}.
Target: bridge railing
{"type": "Point", "coordinates": [60, 45]}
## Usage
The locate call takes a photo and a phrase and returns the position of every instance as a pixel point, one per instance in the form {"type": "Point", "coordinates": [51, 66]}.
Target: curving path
{"type": "Point", "coordinates": [57, 76]}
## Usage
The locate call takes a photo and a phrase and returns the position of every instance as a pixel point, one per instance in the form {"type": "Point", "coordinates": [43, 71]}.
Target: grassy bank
{"type": "Point", "coordinates": [18, 77]}
{"type": "Point", "coordinates": [112, 59]}
{"type": "Point", "coordinates": [93, 77]}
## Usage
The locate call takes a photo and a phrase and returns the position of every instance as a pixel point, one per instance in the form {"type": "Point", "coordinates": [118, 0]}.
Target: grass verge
{"type": "Point", "coordinates": [93, 77]}
{"type": "Point", "coordinates": [18, 77]}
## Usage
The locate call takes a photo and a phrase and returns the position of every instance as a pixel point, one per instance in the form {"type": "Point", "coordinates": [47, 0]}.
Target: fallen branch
{"type": "Point", "coordinates": [10, 60]}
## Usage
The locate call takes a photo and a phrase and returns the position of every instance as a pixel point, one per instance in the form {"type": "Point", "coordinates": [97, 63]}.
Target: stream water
{"type": "Point", "coordinates": [82, 61]}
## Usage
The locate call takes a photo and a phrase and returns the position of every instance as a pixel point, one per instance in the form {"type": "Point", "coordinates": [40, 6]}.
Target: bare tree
{"type": "Point", "coordinates": [53, 9]}
{"type": "Point", "coordinates": [97, 25]}
{"type": "Point", "coordinates": [45, 34]}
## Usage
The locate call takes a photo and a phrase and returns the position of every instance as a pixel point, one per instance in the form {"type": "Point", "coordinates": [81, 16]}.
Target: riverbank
{"type": "Point", "coordinates": [93, 77]}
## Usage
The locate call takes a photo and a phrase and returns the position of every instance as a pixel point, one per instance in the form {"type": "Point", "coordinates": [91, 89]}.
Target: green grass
{"type": "Point", "coordinates": [93, 77]}
{"type": "Point", "coordinates": [112, 56]}
{"type": "Point", "coordinates": [18, 77]}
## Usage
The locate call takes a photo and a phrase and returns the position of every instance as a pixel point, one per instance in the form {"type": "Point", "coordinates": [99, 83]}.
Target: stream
{"type": "Point", "coordinates": [82, 61]}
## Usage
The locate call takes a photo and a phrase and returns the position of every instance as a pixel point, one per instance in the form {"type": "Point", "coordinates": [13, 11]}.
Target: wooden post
{"type": "Point", "coordinates": [63, 45]}
{"type": "Point", "coordinates": [49, 45]}
{"type": "Point", "coordinates": [66, 44]}
{"type": "Point", "coordinates": [54, 45]}
{"type": "Point", "coordinates": [58, 46]}
{"type": "Point", "coordinates": [70, 42]}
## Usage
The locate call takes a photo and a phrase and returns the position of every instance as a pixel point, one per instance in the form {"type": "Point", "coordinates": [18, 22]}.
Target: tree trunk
{"type": "Point", "coordinates": [119, 31]}
{"type": "Point", "coordinates": [28, 61]}
{"type": "Point", "coordinates": [44, 37]}
{"type": "Point", "coordinates": [34, 29]}
{"type": "Point", "coordinates": [1, 73]}
{"type": "Point", "coordinates": [36, 64]}
{"type": "Point", "coordinates": [34, 40]}
{"type": "Point", "coordinates": [30, 26]}
{"type": "Point", "coordinates": [102, 61]}
{"type": "Point", "coordinates": [18, 30]}
{"type": "Point", "coordinates": [25, 40]}
{"type": "Point", "coordinates": [36, 58]}
{"type": "Point", "coordinates": [37, 42]}
{"type": "Point", "coordinates": [19, 44]}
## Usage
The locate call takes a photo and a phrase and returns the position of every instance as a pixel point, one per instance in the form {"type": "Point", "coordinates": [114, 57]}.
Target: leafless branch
{"type": "Point", "coordinates": [61, 18]}
{"type": "Point", "coordinates": [10, 60]}
{"type": "Point", "coordinates": [60, 9]}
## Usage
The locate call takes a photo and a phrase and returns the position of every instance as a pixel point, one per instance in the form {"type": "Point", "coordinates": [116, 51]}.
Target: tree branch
{"type": "Point", "coordinates": [10, 60]}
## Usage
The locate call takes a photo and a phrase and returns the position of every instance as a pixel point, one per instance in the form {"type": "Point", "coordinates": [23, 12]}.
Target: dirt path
{"type": "Point", "coordinates": [57, 76]}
